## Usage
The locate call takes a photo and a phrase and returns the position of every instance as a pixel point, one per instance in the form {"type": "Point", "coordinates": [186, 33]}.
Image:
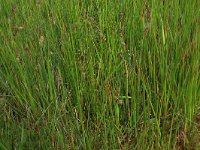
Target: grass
{"type": "Point", "coordinates": [99, 74]}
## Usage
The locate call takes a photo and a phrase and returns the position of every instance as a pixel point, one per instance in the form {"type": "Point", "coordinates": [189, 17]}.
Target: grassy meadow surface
{"type": "Point", "coordinates": [99, 74]}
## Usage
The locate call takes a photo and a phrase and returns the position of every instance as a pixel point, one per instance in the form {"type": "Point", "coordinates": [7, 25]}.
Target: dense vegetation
{"type": "Point", "coordinates": [100, 74]}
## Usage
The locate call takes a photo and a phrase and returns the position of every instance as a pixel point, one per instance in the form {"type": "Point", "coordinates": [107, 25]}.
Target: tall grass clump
{"type": "Point", "coordinates": [100, 74]}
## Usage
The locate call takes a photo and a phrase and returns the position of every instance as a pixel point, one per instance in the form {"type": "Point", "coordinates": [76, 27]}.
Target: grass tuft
{"type": "Point", "coordinates": [116, 74]}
